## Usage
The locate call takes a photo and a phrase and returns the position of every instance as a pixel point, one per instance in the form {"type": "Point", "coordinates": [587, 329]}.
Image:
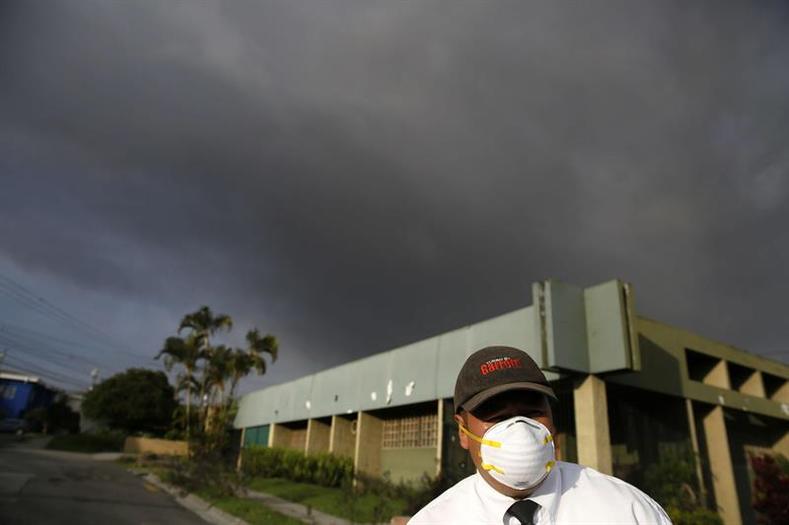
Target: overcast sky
{"type": "Point", "coordinates": [356, 175]}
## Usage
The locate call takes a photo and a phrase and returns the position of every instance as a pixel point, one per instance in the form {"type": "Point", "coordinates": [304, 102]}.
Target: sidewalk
{"type": "Point", "coordinates": [294, 510]}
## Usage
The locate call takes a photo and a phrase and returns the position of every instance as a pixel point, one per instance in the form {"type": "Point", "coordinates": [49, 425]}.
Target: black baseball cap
{"type": "Point", "coordinates": [497, 369]}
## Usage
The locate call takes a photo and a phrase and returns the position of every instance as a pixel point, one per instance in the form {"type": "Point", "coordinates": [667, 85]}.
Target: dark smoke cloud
{"type": "Point", "coordinates": [357, 175]}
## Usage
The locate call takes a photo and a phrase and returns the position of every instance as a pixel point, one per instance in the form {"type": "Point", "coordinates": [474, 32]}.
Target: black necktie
{"type": "Point", "coordinates": [524, 511]}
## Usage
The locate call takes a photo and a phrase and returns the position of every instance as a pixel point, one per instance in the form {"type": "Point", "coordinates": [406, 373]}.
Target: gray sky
{"type": "Point", "coordinates": [356, 175]}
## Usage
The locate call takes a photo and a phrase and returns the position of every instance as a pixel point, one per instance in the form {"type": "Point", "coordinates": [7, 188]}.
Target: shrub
{"type": "Point", "coordinates": [770, 488]}
{"type": "Point", "coordinates": [322, 469]}
{"type": "Point", "coordinates": [214, 477]}
{"type": "Point", "coordinates": [674, 484]}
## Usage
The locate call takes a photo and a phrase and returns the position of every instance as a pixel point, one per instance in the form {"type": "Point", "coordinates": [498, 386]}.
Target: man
{"type": "Point", "coordinates": [505, 422]}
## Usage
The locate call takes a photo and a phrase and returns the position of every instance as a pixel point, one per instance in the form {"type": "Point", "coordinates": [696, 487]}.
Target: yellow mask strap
{"type": "Point", "coordinates": [488, 466]}
{"type": "Point", "coordinates": [488, 442]}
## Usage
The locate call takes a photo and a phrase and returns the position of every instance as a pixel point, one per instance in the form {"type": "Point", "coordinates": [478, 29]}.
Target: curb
{"type": "Point", "coordinates": [195, 504]}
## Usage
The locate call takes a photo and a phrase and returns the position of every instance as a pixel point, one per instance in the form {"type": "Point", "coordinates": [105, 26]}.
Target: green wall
{"type": "Point", "coordinates": [408, 464]}
{"type": "Point", "coordinates": [256, 436]}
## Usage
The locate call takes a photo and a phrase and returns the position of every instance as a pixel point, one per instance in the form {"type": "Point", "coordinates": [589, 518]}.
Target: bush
{"type": "Point", "coordinates": [214, 477]}
{"type": "Point", "coordinates": [322, 469]}
{"type": "Point", "coordinates": [674, 484]}
{"type": "Point", "coordinates": [697, 516]}
{"type": "Point", "coordinates": [770, 488]}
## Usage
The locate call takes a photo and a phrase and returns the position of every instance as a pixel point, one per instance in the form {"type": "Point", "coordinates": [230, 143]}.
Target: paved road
{"type": "Point", "coordinates": [48, 487]}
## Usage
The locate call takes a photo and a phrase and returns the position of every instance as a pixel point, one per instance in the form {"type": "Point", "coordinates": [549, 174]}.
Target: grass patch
{"type": "Point", "coordinates": [88, 443]}
{"type": "Point", "coordinates": [366, 508]}
{"type": "Point", "coordinates": [160, 471]}
{"type": "Point", "coordinates": [250, 511]}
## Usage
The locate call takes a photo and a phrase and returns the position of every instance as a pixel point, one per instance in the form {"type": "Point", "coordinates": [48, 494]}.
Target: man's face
{"type": "Point", "coordinates": [498, 408]}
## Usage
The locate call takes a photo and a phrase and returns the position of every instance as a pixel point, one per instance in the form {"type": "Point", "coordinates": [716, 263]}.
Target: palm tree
{"type": "Point", "coordinates": [217, 371]}
{"type": "Point", "coordinates": [219, 366]}
{"type": "Point", "coordinates": [258, 346]}
{"type": "Point", "coordinates": [202, 325]}
{"type": "Point", "coordinates": [184, 352]}
{"type": "Point", "coordinates": [239, 366]}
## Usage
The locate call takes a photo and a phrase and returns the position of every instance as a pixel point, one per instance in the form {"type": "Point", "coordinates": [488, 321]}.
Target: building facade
{"type": "Point", "coordinates": [20, 393]}
{"type": "Point", "coordinates": [632, 392]}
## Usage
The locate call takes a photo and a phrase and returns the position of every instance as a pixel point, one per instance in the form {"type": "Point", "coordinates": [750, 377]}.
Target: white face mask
{"type": "Point", "coordinates": [517, 452]}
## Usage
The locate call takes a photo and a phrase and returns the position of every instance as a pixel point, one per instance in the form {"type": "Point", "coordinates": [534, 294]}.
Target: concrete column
{"type": "Point", "coordinates": [591, 424]}
{"type": "Point", "coordinates": [694, 443]}
{"type": "Point", "coordinates": [369, 436]}
{"type": "Point", "coordinates": [317, 437]}
{"type": "Point", "coordinates": [342, 442]}
{"type": "Point", "coordinates": [439, 435]}
{"type": "Point", "coordinates": [723, 482]}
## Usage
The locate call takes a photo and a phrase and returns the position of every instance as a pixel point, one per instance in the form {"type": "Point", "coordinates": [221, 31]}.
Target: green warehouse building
{"type": "Point", "coordinates": [631, 391]}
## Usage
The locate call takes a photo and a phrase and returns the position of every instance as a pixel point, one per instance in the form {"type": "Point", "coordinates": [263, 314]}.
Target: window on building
{"type": "Point", "coordinates": [410, 432]}
{"type": "Point", "coordinates": [8, 391]}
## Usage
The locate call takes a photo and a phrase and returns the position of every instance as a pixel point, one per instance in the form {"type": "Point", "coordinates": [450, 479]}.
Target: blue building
{"type": "Point", "coordinates": [21, 393]}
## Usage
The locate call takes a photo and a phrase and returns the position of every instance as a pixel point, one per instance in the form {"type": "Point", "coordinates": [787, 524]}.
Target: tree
{"type": "Point", "coordinates": [214, 371]}
{"type": "Point", "coordinates": [202, 325]}
{"type": "Point", "coordinates": [137, 400]}
{"type": "Point", "coordinates": [187, 353]}
{"type": "Point", "coordinates": [258, 346]}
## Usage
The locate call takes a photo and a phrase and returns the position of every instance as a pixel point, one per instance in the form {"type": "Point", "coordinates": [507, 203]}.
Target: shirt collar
{"type": "Point", "coordinates": [545, 495]}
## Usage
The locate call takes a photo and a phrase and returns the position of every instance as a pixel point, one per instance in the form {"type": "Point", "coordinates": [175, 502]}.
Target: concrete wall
{"type": "Point", "coordinates": [162, 447]}
{"type": "Point", "coordinates": [298, 439]}
{"type": "Point", "coordinates": [342, 441]}
{"type": "Point", "coordinates": [369, 434]}
{"type": "Point", "coordinates": [318, 434]}
{"type": "Point", "coordinates": [423, 371]}
{"type": "Point", "coordinates": [664, 362]}
{"type": "Point", "coordinates": [408, 464]}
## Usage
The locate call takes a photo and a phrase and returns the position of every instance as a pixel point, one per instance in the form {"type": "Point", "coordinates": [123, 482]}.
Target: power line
{"type": "Point", "coordinates": [42, 306]}
{"type": "Point", "coordinates": [33, 298]}
{"type": "Point", "coordinates": [57, 359]}
{"type": "Point", "coordinates": [34, 345]}
{"type": "Point", "coordinates": [30, 336]}
{"type": "Point", "coordinates": [28, 366]}
{"type": "Point", "coordinates": [62, 374]}
{"type": "Point", "coordinates": [20, 290]}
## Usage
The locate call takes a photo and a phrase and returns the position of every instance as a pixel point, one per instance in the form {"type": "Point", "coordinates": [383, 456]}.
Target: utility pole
{"type": "Point", "coordinates": [94, 377]}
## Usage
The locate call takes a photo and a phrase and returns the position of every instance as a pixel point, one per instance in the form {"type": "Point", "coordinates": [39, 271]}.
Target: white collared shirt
{"type": "Point", "coordinates": [570, 495]}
